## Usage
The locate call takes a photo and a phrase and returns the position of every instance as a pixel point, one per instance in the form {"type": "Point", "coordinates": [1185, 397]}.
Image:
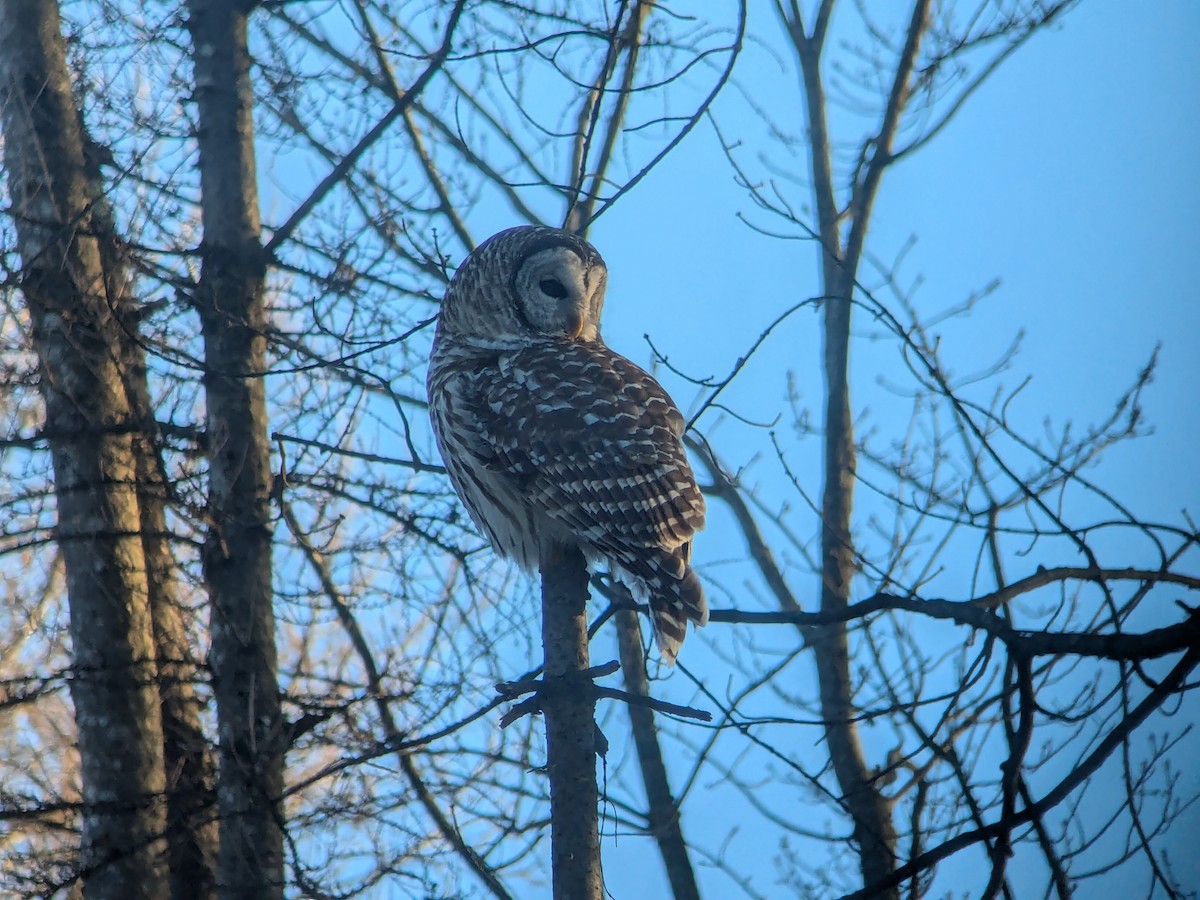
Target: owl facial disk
{"type": "Point", "coordinates": [558, 293]}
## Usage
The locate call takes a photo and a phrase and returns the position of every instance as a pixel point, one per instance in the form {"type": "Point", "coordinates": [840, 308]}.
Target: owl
{"type": "Point", "coordinates": [551, 437]}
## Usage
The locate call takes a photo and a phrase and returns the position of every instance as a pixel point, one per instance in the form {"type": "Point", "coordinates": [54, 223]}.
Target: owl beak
{"type": "Point", "coordinates": [573, 324]}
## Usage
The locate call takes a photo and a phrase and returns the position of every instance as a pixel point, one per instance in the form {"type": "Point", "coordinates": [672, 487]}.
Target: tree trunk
{"type": "Point", "coordinates": [89, 426]}
{"type": "Point", "coordinates": [874, 832]}
{"type": "Point", "coordinates": [663, 813]}
{"type": "Point", "coordinates": [237, 555]}
{"type": "Point", "coordinates": [869, 809]}
{"type": "Point", "coordinates": [569, 707]}
{"type": "Point", "coordinates": [191, 827]}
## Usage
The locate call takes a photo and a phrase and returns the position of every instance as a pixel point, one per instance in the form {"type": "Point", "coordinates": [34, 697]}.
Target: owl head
{"type": "Point", "coordinates": [529, 281]}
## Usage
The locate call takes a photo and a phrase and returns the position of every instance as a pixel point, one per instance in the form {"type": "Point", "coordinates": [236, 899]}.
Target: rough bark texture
{"type": "Point", "coordinates": [663, 813]}
{"type": "Point", "coordinates": [191, 829]}
{"type": "Point", "coordinates": [89, 425]}
{"type": "Point", "coordinates": [237, 553]}
{"type": "Point", "coordinates": [569, 708]}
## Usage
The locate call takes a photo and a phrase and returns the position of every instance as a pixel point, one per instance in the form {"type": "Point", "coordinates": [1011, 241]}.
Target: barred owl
{"type": "Point", "coordinates": [550, 436]}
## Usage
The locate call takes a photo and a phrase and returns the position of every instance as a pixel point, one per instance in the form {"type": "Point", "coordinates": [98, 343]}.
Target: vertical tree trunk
{"type": "Point", "coordinates": [569, 708]}
{"type": "Point", "coordinates": [869, 808]}
{"type": "Point", "coordinates": [89, 426]}
{"type": "Point", "coordinates": [664, 814]}
{"type": "Point", "coordinates": [238, 548]}
{"type": "Point", "coordinates": [191, 827]}
{"type": "Point", "coordinates": [874, 832]}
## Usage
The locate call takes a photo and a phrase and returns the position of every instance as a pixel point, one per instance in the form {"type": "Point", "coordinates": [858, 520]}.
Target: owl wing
{"type": "Point", "coordinates": [592, 443]}
{"type": "Point", "coordinates": [595, 443]}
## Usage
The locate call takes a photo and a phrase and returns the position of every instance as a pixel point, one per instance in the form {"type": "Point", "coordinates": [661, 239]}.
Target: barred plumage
{"type": "Point", "coordinates": [548, 435]}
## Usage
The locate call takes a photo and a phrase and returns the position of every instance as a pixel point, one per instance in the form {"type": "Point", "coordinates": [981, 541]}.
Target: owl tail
{"type": "Point", "coordinates": [676, 598]}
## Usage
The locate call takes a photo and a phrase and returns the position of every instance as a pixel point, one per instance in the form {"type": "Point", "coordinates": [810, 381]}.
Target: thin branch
{"type": "Point", "coordinates": [339, 172]}
{"type": "Point", "coordinates": [1169, 686]}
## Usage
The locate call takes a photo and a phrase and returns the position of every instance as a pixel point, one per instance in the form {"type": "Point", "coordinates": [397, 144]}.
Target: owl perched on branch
{"type": "Point", "coordinates": [551, 437]}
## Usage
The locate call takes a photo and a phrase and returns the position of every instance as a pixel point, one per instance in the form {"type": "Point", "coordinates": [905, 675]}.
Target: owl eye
{"type": "Point", "coordinates": [552, 287]}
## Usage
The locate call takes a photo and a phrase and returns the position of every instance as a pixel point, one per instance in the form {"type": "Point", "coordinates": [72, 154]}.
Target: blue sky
{"type": "Point", "coordinates": [1071, 177]}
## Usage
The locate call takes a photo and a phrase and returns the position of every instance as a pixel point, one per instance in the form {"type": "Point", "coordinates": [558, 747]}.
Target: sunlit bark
{"type": "Point", "coordinates": [90, 428]}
